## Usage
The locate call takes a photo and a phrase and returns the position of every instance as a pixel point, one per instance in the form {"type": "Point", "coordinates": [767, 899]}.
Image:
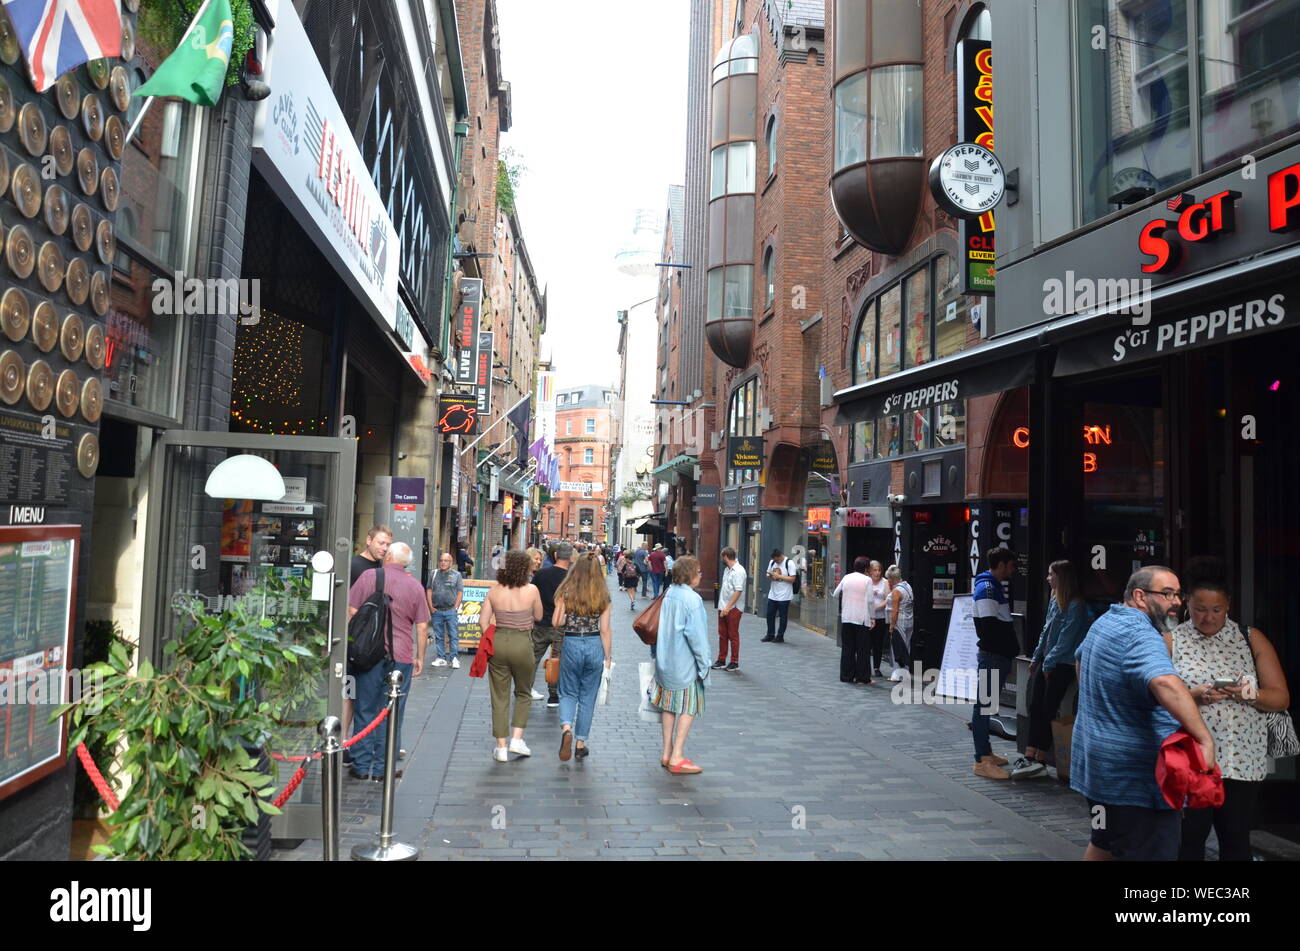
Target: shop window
{"type": "Point", "coordinates": [743, 420]}
{"type": "Point", "coordinates": [890, 343]}
{"type": "Point", "coordinates": [863, 441]}
{"type": "Point", "coordinates": [864, 350]}
{"type": "Point", "coordinates": [889, 436]}
{"type": "Point", "coordinates": [951, 309]}
{"type": "Point", "coordinates": [918, 320]}
{"type": "Point", "coordinates": [949, 424]}
{"type": "Point", "coordinates": [917, 326]}
{"type": "Point", "coordinates": [918, 430]}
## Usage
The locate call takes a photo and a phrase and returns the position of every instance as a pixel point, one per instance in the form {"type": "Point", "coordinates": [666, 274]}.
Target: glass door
{"type": "Point", "coordinates": [249, 529]}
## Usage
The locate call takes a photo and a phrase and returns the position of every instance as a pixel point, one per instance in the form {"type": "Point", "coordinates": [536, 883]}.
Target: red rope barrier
{"type": "Point", "coordinates": [96, 777]}
{"type": "Point", "coordinates": [364, 733]}
{"type": "Point", "coordinates": [292, 788]}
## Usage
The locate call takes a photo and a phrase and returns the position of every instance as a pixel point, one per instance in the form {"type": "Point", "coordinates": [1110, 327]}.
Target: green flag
{"type": "Point", "coordinates": [196, 70]}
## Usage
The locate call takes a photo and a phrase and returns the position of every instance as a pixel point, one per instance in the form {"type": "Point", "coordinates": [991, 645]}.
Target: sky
{"type": "Point", "coordinates": [599, 122]}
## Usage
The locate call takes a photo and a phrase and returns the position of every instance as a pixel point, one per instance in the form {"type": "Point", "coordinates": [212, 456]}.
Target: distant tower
{"type": "Point", "coordinates": [638, 255]}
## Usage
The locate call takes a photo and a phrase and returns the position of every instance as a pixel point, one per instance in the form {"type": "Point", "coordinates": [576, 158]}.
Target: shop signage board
{"type": "Point", "coordinates": [581, 486]}
{"type": "Point", "coordinates": [38, 596]}
{"type": "Point", "coordinates": [303, 145]}
{"type": "Point", "coordinates": [483, 374]}
{"type": "Point", "coordinates": [458, 413]}
{"type": "Point", "coordinates": [823, 461]}
{"type": "Point", "coordinates": [749, 496]}
{"type": "Point", "coordinates": [977, 379]}
{"type": "Point", "coordinates": [469, 630]}
{"type": "Point", "coordinates": [745, 452]}
{"type": "Point", "coordinates": [975, 125]}
{"type": "Point", "coordinates": [471, 302]}
{"type": "Point", "coordinates": [706, 496]}
{"type": "Point", "coordinates": [32, 468]}
{"type": "Point", "coordinates": [959, 669]}
{"type": "Point", "coordinates": [818, 520]}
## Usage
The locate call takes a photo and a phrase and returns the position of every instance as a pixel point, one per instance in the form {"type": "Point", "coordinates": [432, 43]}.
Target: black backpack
{"type": "Point", "coordinates": [370, 631]}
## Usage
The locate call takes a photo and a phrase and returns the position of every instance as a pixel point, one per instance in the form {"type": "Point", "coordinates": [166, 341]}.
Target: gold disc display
{"type": "Point", "coordinates": [77, 281]}
{"type": "Point", "coordinates": [67, 393]}
{"type": "Point", "coordinates": [20, 251]}
{"type": "Point", "coordinates": [92, 399]}
{"type": "Point", "coordinates": [99, 292]}
{"type": "Point", "coordinates": [119, 90]}
{"type": "Point", "coordinates": [105, 243]}
{"type": "Point", "coordinates": [95, 347]}
{"type": "Point", "coordinates": [114, 137]}
{"type": "Point", "coordinates": [67, 96]}
{"type": "Point", "coordinates": [83, 227]}
{"type": "Point", "coordinates": [128, 40]}
{"type": "Point", "coordinates": [40, 386]}
{"type": "Point", "coordinates": [7, 110]}
{"type": "Point", "coordinates": [87, 171]}
{"type": "Point", "coordinates": [92, 117]}
{"type": "Point", "coordinates": [12, 376]}
{"type": "Point", "coordinates": [31, 128]}
{"type": "Point", "coordinates": [26, 190]}
{"type": "Point", "coordinates": [88, 455]}
{"type": "Point", "coordinates": [56, 209]}
{"type": "Point", "coordinates": [45, 326]}
{"type": "Point", "coordinates": [72, 339]}
{"type": "Point", "coordinates": [15, 314]}
{"type": "Point", "coordinates": [108, 189]}
{"type": "Point", "coordinates": [61, 149]}
{"type": "Point", "coordinates": [97, 70]}
{"type": "Point", "coordinates": [49, 267]}
{"type": "Point", "coordinates": [9, 49]}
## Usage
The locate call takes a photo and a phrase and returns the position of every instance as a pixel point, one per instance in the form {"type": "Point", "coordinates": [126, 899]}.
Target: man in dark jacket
{"type": "Point", "coordinates": [548, 581]}
{"type": "Point", "coordinates": [997, 650]}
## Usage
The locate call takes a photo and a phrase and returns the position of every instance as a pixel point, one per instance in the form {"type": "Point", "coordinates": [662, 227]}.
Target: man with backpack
{"type": "Point", "coordinates": [388, 606]}
{"type": "Point", "coordinates": [782, 576]}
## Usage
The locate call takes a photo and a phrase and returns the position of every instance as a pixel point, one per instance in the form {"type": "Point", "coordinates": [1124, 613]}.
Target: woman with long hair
{"type": "Point", "coordinates": [538, 558]}
{"type": "Point", "coordinates": [681, 663]}
{"type": "Point", "coordinates": [628, 577]}
{"type": "Point", "coordinates": [514, 605]}
{"type": "Point", "coordinates": [1210, 649]}
{"type": "Point", "coordinates": [877, 603]}
{"type": "Point", "coordinates": [582, 613]}
{"type": "Point", "coordinates": [1052, 669]}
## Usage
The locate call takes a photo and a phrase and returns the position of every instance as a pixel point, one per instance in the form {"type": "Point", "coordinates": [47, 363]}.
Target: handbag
{"type": "Point", "coordinates": [552, 670]}
{"type": "Point", "coordinates": [602, 695]}
{"type": "Point", "coordinates": [646, 624]}
{"type": "Point", "coordinates": [1280, 736]}
{"type": "Point", "coordinates": [647, 710]}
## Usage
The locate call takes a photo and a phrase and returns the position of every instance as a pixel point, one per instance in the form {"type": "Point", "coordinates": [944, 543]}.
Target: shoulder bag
{"type": "Point", "coordinates": [646, 624]}
{"type": "Point", "coordinates": [1281, 740]}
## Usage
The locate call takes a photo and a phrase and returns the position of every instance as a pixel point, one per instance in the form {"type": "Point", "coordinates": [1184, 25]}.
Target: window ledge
{"type": "Point", "coordinates": [770, 180]}
{"type": "Point", "coordinates": [843, 248]}
{"type": "Point", "coordinates": [767, 315]}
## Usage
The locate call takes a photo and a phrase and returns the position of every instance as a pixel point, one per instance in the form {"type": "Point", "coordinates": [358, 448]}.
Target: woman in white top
{"type": "Point", "coordinates": [855, 616]}
{"type": "Point", "coordinates": [879, 628]}
{"type": "Point", "coordinates": [900, 612]}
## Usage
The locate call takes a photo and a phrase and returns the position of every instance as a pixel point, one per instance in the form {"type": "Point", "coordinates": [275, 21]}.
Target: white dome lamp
{"type": "Point", "coordinates": [246, 477]}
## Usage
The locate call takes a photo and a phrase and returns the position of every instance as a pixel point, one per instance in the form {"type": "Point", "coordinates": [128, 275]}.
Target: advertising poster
{"type": "Point", "coordinates": [959, 670]}
{"type": "Point", "coordinates": [470, 606]}
{"type": "Point", "coordinates": [237, 530]}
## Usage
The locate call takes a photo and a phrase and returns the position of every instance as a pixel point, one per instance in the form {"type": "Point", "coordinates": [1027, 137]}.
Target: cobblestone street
{"type": "Point", "coordinates": [796, 766]}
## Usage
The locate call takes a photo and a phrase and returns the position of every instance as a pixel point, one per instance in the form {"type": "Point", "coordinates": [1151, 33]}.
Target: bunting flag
{"type": "Point", "coordinates": [519, 418]}
{"type": "Point", "coordinates": [59, 35]}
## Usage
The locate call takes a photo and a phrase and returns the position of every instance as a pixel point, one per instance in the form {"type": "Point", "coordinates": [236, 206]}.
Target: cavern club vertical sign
{"type": "Point", "coordinates": [975, 124]}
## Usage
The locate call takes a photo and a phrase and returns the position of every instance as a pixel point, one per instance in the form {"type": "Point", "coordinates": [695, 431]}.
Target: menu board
{"type": "Point", "coordinates": [959, 670]}
{"type": "Point", "coordinates": [471, 604]}
{"type": "Point", "coordinates": [37, 597]}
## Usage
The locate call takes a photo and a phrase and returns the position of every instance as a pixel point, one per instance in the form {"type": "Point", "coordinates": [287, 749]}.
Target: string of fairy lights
{"type": "Point", "coordinates": [268, 370]}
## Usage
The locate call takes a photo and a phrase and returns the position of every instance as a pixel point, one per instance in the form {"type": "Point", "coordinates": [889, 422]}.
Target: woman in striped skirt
{"type": "Point", "coordinates": [681, 662]}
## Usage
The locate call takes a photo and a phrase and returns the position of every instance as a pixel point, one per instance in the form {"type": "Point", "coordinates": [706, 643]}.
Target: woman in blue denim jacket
{"type": "Point", "coordinates": [1052, 670]}
{"type": "Point", "coordinates": [681, 662]}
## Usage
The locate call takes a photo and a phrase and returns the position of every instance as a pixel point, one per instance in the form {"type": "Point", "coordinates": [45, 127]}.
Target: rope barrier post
{"type": "Point", "coordinates": [386, 850]}
{"type": "Point", "coordinates": [331, 731]}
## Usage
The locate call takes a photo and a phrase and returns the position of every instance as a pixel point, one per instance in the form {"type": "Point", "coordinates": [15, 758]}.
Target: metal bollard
{"type": "Point", "coordinates": [330, 730]}
{"type": "Point", "coordinates": [386, 850]}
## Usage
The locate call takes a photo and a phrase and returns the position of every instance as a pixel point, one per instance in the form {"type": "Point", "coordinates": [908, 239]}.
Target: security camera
{"type": "Point", "coordinates": [841, 511]}
{"type": "Point", "coordinates": [898, 499]}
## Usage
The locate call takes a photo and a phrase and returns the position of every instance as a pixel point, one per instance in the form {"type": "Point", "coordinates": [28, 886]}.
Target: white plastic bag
{"type": "Point", "coordinates": [602, 697]}
{"type": "Point", "coordinates": [649, 712]}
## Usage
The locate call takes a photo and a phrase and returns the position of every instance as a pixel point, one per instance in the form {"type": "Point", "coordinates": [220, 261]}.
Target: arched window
{"type": "Point", "coordinates": [771, 146]}
{"type": "Point", "coordinates": [769, 278]}
{"type": "Point", "coordinates": [743, 420]}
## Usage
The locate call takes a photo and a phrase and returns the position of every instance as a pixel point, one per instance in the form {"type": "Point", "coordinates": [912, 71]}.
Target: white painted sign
{"type": "Point", "coordinates": [580, 486]}
{"type": "Point", "coordinates": [959, 670]}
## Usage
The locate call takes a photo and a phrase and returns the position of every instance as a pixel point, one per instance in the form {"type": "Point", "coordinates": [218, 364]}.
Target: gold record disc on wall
{"type": "Point", "coordinates": [26, 190]}
{"type": "Point", "coordinates": [67, 393]}
{"type": "Point", "coordinates": [88, 455]}
{"type": "Point", "coordinates": [128, 40]}
{"type": "Point", "coordinates": [12, 376]}
{"type": "Point", "coordinates": [92, 117]}
{"type": "Point", "coordinates": [119, 90]}
{"type": "Point", "coordinates": [114, 137]}
{"type": "Point", "coordinates": [40, 386]}
{"type": "Point", "coordinates": [87, 171]}
{"type": "Point", "coordinates": [61, 149]}
{"type": "Point", "coordinates": [105, 243]}
{"type": "Point", "coordinates": [31, 128]}
{"type": "Point", "coordinates": [8, 112]}
{"type": "Point", "coordinates": [83, 227]}
{"type": "Point", "coordinates": [45, 326]}
{"type": "Point", "coordinates": [77, 281]}
{"type": "Point", "coordinates": [20, 251]}
{"type": "Point", "coordinates": [15, 314]}
{"type": "Point", "coordinates": [97, 70]}
{"type": "Point", "coordinates": [72, 339]}
{"type": "Point", "coordinates": [56, 209]}
{"type": "Point", "coordinates": [99, 292]}
{"type": "Point", "coordinates": [49, 266]}
{"type": "Point", "coordinates": [108, 190]}
{"type": "Point", "coordinates": [9, 49]}
{"type": "Point", "coordinates": [92, 399]}
{"type": "Point", "coordinates": [67, 95]}
{"type": "Point", "coordinates": [95, 347]}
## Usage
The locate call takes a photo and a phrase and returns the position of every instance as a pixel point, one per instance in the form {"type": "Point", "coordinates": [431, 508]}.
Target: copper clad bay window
{"type": "Point", "coordinates": [732, 183]}
{"type": "Point", "coordinates": [878, 182]}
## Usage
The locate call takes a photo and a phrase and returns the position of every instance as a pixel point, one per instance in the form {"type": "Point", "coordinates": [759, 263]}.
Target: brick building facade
{"type": "Point", "coordinates": [583, 443]}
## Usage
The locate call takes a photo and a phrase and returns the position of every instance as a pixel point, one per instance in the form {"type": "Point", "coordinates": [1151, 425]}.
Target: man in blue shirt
{"type": "Point", "coordinates": [1130, 699]}
{"type": "Point", "coordinates": [998, 647]}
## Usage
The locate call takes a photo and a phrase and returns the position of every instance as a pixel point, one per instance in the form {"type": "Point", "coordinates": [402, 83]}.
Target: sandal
{"type": "Point", "coordinates": [566, 745]}
{"type": "Point", "coordinates": [685, 766]}
{"type": "Point", "coordinates": [663, 763]}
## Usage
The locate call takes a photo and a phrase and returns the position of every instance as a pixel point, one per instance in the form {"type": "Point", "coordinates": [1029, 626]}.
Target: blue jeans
{"type": "Point", "coordinates": [656, 582]}
{"type": "Point", "coordinates": [979, 722]}
{"type": "Point", "coordinates": [581, 665]}
{"type": "Point", "coordinates": [448, 620]}
{"type": "Point", "coordinates": [644, 583]}
{"type": "Point", "coordinates": [372, 695]}
{"type": "Point", "coordinates": [777, 609]}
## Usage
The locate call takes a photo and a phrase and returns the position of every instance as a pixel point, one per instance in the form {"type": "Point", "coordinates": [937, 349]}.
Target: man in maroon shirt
{"type": "Point", "coordinates": [410, 614]}
{"type": "Point", "coordinates": [656, 559]}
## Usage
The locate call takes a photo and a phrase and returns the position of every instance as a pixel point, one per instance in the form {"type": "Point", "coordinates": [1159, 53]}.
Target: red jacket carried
{"type": "Point", "coordinates": [1182, 776]}
{"type": "Point", "coordinates": [486, 649]}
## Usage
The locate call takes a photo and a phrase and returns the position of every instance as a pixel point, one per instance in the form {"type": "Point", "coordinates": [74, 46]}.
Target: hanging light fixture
{"type": "Point", "coordinates": [246, 477]}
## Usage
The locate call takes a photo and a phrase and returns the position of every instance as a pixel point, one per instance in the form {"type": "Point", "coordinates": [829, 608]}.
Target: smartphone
{"type": "Point", "coordinates": [1221, 682]}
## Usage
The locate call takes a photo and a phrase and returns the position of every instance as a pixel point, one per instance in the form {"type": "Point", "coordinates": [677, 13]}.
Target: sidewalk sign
{"type": "Point", "coordinates": [959, 670]}
{"type": "Point", "coordinates": [469, 629]}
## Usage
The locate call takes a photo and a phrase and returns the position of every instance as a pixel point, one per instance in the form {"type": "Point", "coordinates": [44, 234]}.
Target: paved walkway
{"type": "Point", "coordinates": [797, 766]}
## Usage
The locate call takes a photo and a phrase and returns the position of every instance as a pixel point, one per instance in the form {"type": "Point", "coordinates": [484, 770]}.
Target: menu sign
{"type": "Point", "coordinates": [37, 593]}
{"type": "Point", "coordinates": [33, 468]}
{"type": "Point", "coordinates": [470, 629]}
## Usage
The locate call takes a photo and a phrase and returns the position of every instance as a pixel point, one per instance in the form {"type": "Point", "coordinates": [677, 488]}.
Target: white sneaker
{"type": "Point", "coordinates": [1025, 768]}
{"type": "Point", "coordinates": [500, 754]}
{"type": "Point", "coordinates": [520, 747]}
{"type": "Point", "coordinates": [455, 663]}
{"type": "Point", "coordinates": [439, 663]}
{"type": "Point", "coordinates": [538, 696]}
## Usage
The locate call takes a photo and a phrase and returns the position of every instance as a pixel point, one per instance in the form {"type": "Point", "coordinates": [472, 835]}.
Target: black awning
{"type": "Point", "coordinates": [654, 524]}
{"type": "Point", "coordinates": [1001, 365]}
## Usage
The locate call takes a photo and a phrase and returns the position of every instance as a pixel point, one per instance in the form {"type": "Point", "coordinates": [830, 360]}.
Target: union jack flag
{"type": "Point", "coordinates": [59, 35]}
